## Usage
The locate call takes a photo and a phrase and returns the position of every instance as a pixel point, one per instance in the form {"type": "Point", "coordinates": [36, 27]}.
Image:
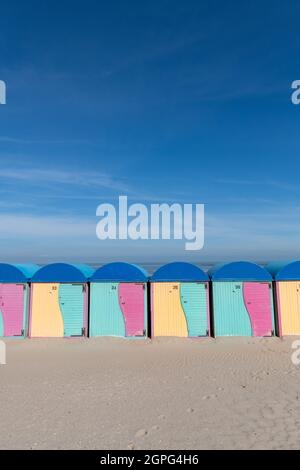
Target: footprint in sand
{"type": "Point", "coordinates": [141, 433]}
{"type": "Point", "coordinates": [154, 428]}
{"type": "Point", "coordinates": [209, 397]}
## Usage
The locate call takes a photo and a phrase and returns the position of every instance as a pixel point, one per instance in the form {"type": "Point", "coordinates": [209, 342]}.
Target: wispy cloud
{"type": "Point", "coordinates": [63, 177]}
{"type": "Point", "coordinates": [257, 236]}
{"type": "Point", "coordinates": [258, 182]}
{"type": "Point", "coordinates": [17, 140]}
{"type": "Point", "coordinates": [254, 236]}
{"type": "Point", "coordinates": [36, 227]}
{"type": "Point", "coordinates": [67, 181]}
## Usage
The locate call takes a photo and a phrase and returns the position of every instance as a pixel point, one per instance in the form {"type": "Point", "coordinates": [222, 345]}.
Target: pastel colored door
{"type": "Point", "coordinates": [57, 310]}
{"type": "Point", "coordinates": [71, 304]}
{"type": "Point", "coordinates": [180, 309]}
{"type": "Point", "coordinates": [13, 307]}
{"type": "Point", "coordinates": [288, 295]}
{"type": "Point", "coordinates": [118, 309]}
{"type": "Point", "coordinates": [243, 309]}
{"type": "Point", "coordinates": [132, 302]}
{"type": "Point", "coordinates": [258, 299]}
{"type": "Point", "coordinates": [194, 301]}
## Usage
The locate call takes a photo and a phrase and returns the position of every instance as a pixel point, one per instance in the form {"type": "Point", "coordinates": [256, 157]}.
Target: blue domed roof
{"type": "Point", "coordinates": [63, 272]}
{"type": "Point", "coordinates": [285, 270]}
{"type": "Point", "coordinates": [120, 272]}
{"type": "Point", "coordinates": [239, 271]}
{"type": "Point", "coordinates": [17, 272]}
{"type": "Point", "coordinates": [179, 271]}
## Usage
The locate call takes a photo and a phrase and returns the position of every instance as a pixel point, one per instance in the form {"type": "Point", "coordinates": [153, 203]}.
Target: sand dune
{"type": "Point", "coordinates": [165, 394]}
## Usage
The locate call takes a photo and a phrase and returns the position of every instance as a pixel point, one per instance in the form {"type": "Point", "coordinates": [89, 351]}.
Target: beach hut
{"type": "Point", "coordinates": [287, 289]}
{"type": "Point", "coordinates": [242, 300]}
{"type": "Point", "coordinates": [14, 298]}
{"type": "Point", "coordinates": [59, 300]}
{"type": "Point", "coordinates": [180, 301]}
{"type": "Point", "coordinates": [118, 301]}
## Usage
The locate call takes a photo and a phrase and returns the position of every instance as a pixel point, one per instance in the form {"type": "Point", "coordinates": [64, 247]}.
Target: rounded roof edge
{"type": "Point", "coordinates": [120, 271]}
{"type": "Point", "coordinates": [239, 271]}
{"type": "Point", "coordinates": [17, 272]}
{"type": "Point", "coordinates": [284, 270]}
{"type": "Point", "coordinates": [179, 271]}
{"type": "Point", "coordinates": [63, 272]}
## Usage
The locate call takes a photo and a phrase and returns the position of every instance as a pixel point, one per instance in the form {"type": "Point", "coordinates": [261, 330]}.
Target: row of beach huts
{"type": "Point", "coordinates": [120, 299]}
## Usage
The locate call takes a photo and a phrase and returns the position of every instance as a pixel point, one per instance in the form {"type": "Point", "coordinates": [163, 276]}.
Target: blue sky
{"type": "Point", "coordinates": [165, 101]}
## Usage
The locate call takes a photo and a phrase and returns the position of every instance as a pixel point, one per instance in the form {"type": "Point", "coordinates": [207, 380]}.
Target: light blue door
{"type": "Point", "coordinates": [71, 303]}
{"type": "Point", "coordinates": [193, 298]}
{"type": "Point", "coordinates": [106, 317]}
{"type": "Point", "coordinates": [230, 314]}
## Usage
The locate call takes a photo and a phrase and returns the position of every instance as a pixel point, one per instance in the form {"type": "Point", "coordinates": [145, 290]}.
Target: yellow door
{"type": "Point", "coordinates": [289, 297]}
{"type": "Point", "coordinates": [168, 315]}
{"type": "Point", "coordinates": [46, 319]}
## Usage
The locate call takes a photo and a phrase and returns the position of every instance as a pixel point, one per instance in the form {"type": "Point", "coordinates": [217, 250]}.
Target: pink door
{"type": "Point", "coordinates": [12, 308]}
{"type": "Point", "coordinates": [132, 304]}
{"type": "Point", "coordinates": [257, 298]}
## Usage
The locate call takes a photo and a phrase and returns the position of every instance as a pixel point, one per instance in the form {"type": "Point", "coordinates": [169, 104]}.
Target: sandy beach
{"type": "Point", "coordinates": [110, 393]}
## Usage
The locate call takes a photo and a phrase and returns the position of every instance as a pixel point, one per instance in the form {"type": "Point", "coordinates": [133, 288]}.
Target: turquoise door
{"type": "Point", "coordinates": [71, 303]}
{"type": "Point", "coordinates": [106, 317]}
{"type": "Point", "coordinates": [193, 297]}
{"type": "Point", "coordinates": [231, 317]}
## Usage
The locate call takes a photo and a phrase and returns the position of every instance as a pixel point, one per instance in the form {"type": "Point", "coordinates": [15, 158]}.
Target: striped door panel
{"type": "Point", "coordinates": [168, 316]}
{"type": "Point", "coordinates": [71, 303]}
{"type": "Point", "coordinates": [45, 318]}
{"type": "Point", "coordinates": [106, 317]}
{"type": "Point", "coordinates": [132, 304]}
{"type": "Point", "coordinates": [194, 303]}
{"type": "Point", "coordinates": [289, 307]}
{"type": "Point", "coordinates": [259, 304]}
{"type": "Point", "coordinates": [231, 317]}
{"type": "Point", "coordinates": [13, 302]}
